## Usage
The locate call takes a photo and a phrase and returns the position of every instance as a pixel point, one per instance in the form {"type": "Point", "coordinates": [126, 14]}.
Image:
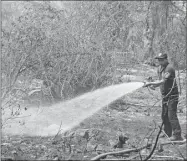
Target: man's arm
{"type": "Point", "coordinates": [169, 74]}
{"type": "Point", "coordinates": [155, 83]}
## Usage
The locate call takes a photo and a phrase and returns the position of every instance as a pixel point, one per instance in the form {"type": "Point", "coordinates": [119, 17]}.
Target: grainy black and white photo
{"type": "Point", "coordinates": [93, 80]}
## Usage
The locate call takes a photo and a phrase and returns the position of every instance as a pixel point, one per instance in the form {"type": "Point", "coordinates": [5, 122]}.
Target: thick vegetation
{"type": "Point", "coordinates": [71, 46]}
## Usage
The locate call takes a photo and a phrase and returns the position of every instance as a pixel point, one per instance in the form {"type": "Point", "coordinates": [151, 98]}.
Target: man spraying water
{"type": "Point", "coordinates": [170, 96]}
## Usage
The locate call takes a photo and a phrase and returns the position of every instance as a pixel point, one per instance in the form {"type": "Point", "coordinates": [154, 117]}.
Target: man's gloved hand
{"type": "Point", "coordinates": [147, 82]}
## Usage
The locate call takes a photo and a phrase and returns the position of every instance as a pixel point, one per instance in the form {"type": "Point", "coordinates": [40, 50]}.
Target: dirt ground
{"type": "Point", "coordinates": [133, 116]}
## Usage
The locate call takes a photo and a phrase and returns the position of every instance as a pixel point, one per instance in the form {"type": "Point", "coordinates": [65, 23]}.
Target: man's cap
{"type": "Point", "coordinates": [161, 56]}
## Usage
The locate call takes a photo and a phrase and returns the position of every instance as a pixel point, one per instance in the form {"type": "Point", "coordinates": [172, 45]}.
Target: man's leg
{"type": "Point", "coordinates": [173, 119]}
{"type": "Point", "coordinates": [165, 119]}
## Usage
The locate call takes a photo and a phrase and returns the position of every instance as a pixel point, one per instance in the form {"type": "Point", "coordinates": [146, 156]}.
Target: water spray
{"type": "Point", "coordinates": [72, 112]}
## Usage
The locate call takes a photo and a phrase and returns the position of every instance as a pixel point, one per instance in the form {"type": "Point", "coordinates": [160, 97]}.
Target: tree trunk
{"type": "Point", "coordinates": [163, 14]}
{"type": "Point", "coordinates": [152, 20]}
{"type": "Point", "coordinates": [157, 26]}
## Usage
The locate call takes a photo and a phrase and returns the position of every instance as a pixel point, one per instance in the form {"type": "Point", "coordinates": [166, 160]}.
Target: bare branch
{"type": "Point", "coordinates": [176, 7]}
{"type": "Point", "coordinates": [119, 152]}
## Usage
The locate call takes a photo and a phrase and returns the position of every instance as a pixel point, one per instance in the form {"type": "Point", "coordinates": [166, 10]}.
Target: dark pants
{"type": "Point", "coordinates": [169, 116]}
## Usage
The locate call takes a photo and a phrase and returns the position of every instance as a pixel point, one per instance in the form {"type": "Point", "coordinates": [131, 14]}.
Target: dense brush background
{"type": "Point", "coordinates": [53, 51]}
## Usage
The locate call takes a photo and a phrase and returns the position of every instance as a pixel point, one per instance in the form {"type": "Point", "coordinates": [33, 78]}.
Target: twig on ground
{"type": "Point", "coordinates": [141, 105]}
{"type": "Point", "coordinates": [115, 159]}
{"type": "Point", "coordinates": [157, 156]}
{"type": "Point", "coordinates": [58, 131]}
{"type": "Point", "coordinates": [119, 152]}
{"type": "Point", "coordinates": [140, 155]}
{"type": "Point", "coordinates": [132, 157]}
{"type": "Point", "coordinates": [174, 142]}
{"type": "Point", "coordinates": [152, 130]}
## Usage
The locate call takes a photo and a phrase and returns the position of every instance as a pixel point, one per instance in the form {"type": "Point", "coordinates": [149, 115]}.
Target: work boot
{"type": "Point", "coordinates": [176, 138]}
